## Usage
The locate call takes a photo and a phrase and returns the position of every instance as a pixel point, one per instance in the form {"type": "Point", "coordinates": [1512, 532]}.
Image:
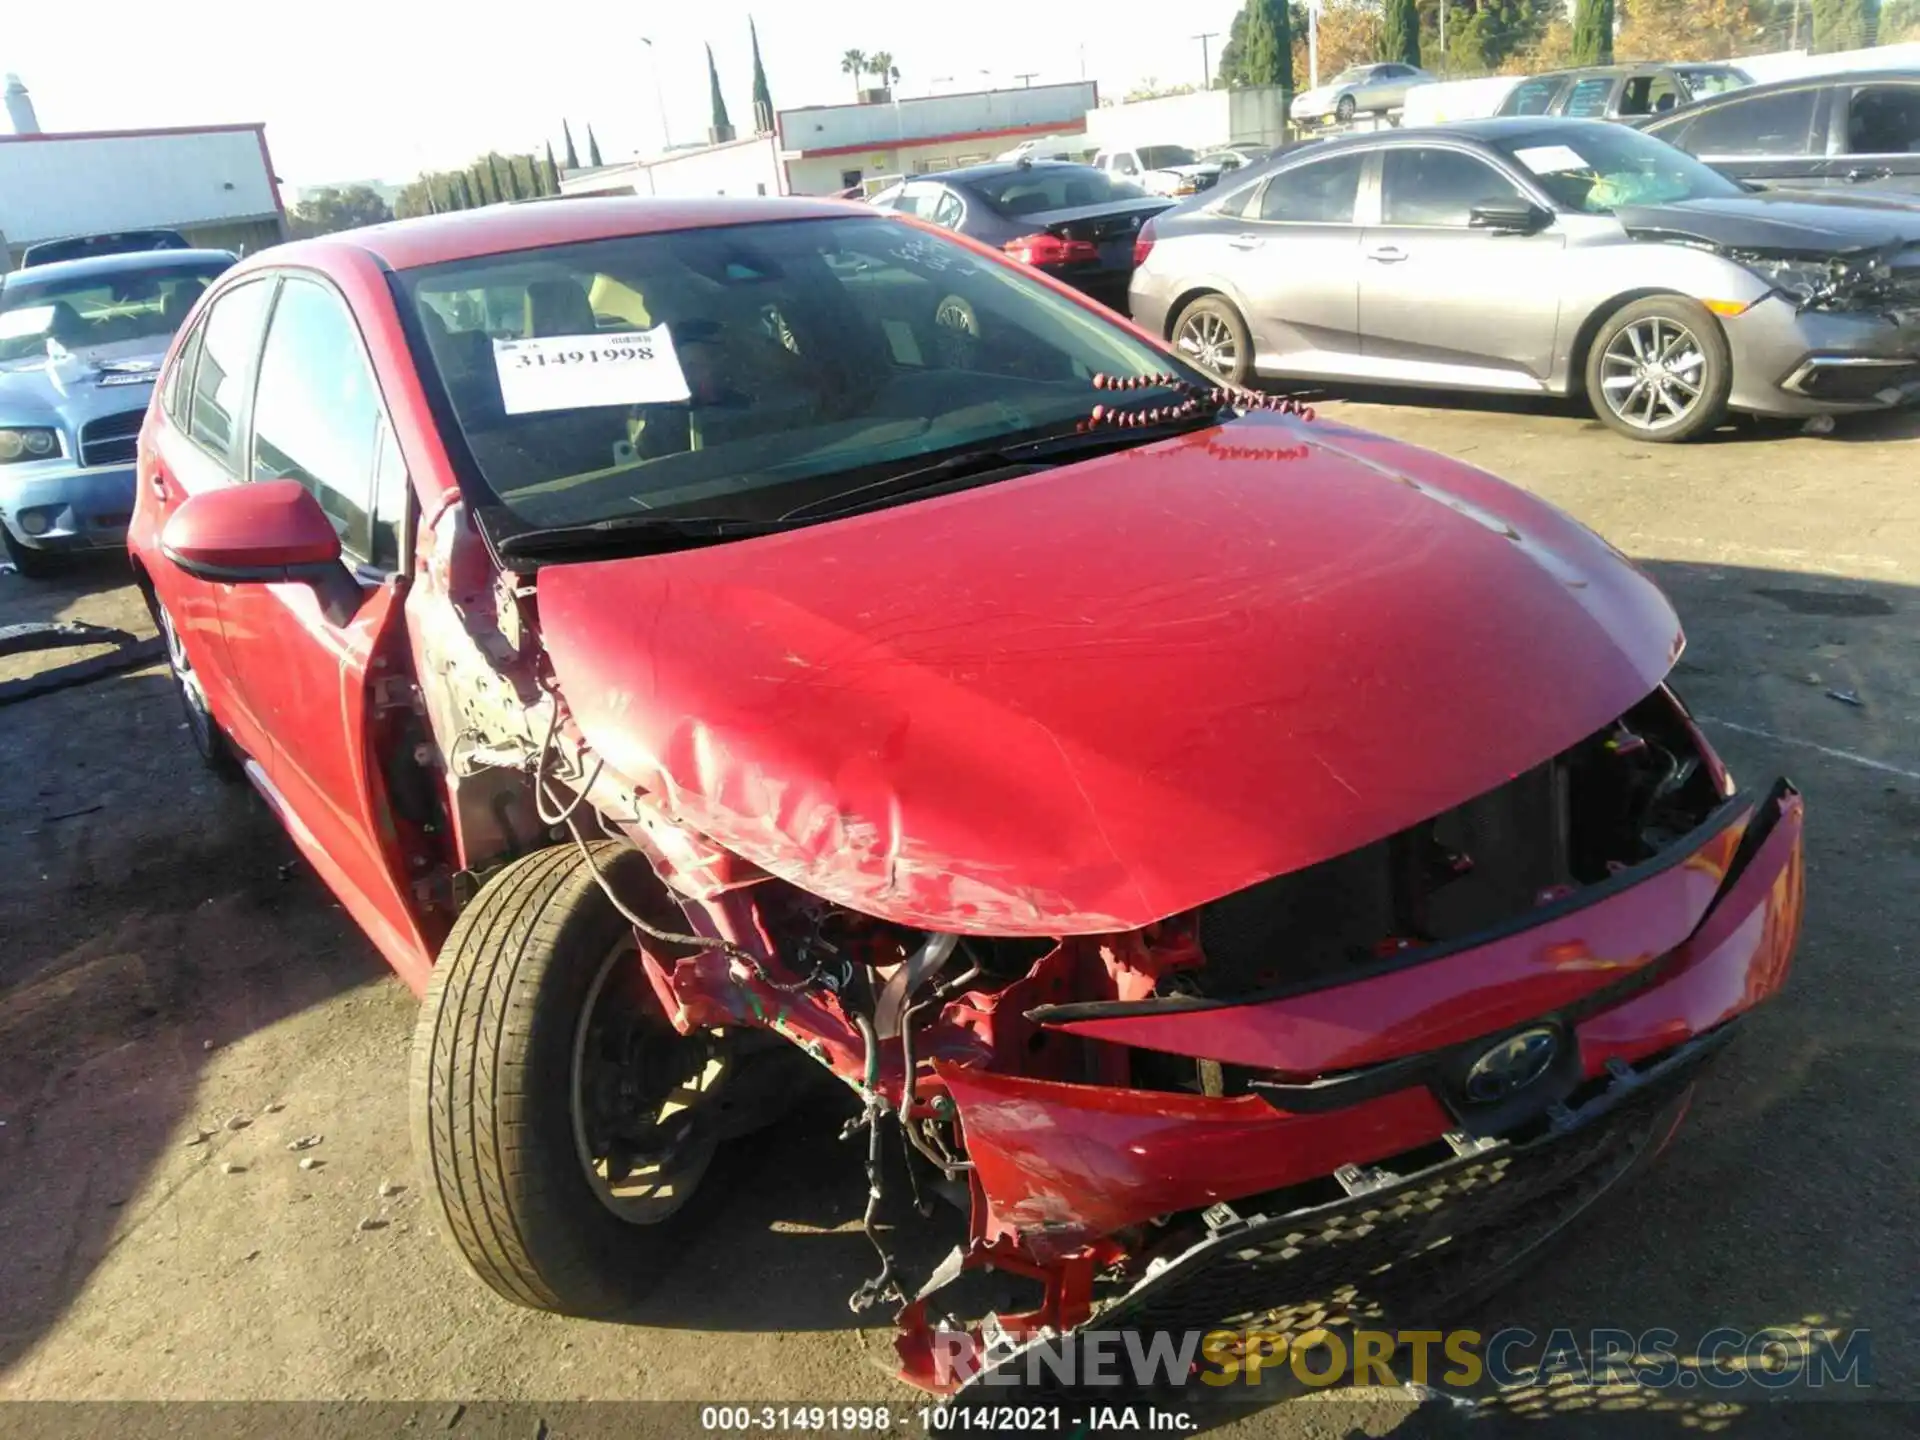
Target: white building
{"type": "Point", "coordinates": [826, 149]}
{"type": "Point", "coordinates": [213, 183]}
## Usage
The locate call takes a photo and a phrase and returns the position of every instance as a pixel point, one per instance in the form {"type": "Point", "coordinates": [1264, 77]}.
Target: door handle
{"type": "Point", "coordinates": [1245, 242]}
{"type": "Point", "coordinates": [1387, 254]}
{"type": "Point", "coordinates": [1862, 173]}
{"type": "Point", "coordinates": [157, 482]}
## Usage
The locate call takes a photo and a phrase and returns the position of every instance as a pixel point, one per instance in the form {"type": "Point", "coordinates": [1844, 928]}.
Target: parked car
{"type": "Point", "coordinates": [718, 670]}
{"type": "Point", "coordinates": [1552, 256]}
{"type": "Point", "coordinates": [120, 242]}
{"type": "Point", "coordinates": [1853, 133]}
{"type": "Point", "coordinates": [1619, 92]}
{"type": "Point", "coordinates": [1076, 223]}
{"type": "Point", "coordinates": [80, 344]}
{"type": "Point", "coordinates": [1374, 89]}
{"type": "Point", "coordinates": [1236, 157]}
{"type": "Point", "coordinates": [1075, 148]}
{"type": "Point", "coordinates": [1160, 169]}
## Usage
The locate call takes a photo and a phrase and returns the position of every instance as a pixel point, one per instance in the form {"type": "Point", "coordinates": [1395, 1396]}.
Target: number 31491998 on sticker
{"type": "Point", "coordinates": [571, 372]}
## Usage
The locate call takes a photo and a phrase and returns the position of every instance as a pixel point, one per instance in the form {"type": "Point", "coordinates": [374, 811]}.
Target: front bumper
{"type": "Point", "coordinates": [1788, 361]}
{"type": "Point", "coordinates": [57, 506]}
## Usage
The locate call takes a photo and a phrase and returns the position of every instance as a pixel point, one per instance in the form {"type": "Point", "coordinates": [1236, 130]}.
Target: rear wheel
{"type": "Point", "coordinates": [1344, 110]}
{"type": "Point", "coordinates": [1211, 333]}
{"type": "Point", "coordinates": [1660, 369]}
{"type": "Point", "coordinates": [561, 1122]}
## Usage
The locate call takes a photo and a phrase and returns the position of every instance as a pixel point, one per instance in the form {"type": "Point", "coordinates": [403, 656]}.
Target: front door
{"type": "Point", "coordinates": [313, 661]}
{"type": "Point", "coordinates": [1444, 302]}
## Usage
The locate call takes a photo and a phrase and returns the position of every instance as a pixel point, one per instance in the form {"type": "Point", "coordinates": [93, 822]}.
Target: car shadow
{"type": "Point", "coordinates": [153, 923]}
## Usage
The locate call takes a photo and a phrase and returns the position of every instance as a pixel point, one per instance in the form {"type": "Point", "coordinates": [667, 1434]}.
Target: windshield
{"type": "Point", "coordinates": [1712, 80]}
{"type": "Point", "coordinates": [1053, 187]}
{"type": "Point", "coordinates": [85, 310]}
{"type": "Point", "coordinates": [1597, 168]}
{"type": "Point", "coordinates": [747, 371]}
{"type": "Point", "coordinates": [1159, 157]}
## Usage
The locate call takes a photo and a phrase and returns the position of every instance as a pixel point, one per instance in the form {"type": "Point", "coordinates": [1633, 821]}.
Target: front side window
{"type": "Point", "coordinates": [317, 417]}
{"type": "Point", "coordinates": [1595, 169]}
{"type": "Point", "coordinates": [1884, 120]}
{"type": "Point", "coordinates": [1319, 193]}
{"type": "Point", "coordinates": [1776, 124]}
{"type": "Point", "coordinates": [1421, 186]}
{"type": "Point", "coordinates": [742, 372]}
{"type": "Point", "coordinates": [84, 311]}
{"type": "Point", "coordinates": [229, 341]}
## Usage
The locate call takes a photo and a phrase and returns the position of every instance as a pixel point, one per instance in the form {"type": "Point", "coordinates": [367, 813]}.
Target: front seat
{"type": "Point", "coordinates": [559, 307]}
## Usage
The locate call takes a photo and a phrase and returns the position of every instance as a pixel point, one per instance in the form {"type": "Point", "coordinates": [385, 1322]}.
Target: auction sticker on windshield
{"type": "Point", "coordinates": [573, 372]}
{"type": "Point", "coordinates": [1550, 159]}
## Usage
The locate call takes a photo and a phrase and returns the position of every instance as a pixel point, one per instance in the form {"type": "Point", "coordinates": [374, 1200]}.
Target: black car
{"type": "Point", "coordinates": [1074, 222]}
{"type": "Point", "coordinates": [1858, 130]}
{"type": "Point", "coordinates": [82, 247]}
{"type": "Point", "coordinates": [1620, 92]}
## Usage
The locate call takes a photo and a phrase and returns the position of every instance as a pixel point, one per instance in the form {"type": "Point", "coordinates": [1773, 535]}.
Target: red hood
{"type": "Point", "coordinates": [1086, 699]}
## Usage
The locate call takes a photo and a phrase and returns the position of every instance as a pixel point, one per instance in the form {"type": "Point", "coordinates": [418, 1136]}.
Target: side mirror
{"type": "Point", "coordinates": [1516, 217]}
{"type": "Point", "coordinates": [264, 533]}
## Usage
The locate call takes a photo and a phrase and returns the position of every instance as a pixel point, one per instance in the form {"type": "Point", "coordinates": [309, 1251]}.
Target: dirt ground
{"type": "Point", "coordinates": [163, 970]}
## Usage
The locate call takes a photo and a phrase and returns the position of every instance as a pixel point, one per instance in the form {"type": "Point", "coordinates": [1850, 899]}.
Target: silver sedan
{"type": "Point", "coordinates": [1374, 89]}
{"type": "Point", "coordinates": [1542, 256]}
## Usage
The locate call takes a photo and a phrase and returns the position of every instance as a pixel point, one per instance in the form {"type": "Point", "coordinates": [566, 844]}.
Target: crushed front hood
{"type": "Point", "coordinates": [1085, 699]}
{"type": "Point", "coordinates": [1780, 220]}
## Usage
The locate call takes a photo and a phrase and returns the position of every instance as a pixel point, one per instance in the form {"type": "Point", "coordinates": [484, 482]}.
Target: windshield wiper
{"type": "Point", "coordinates": [1024, 456]}
{"type": "Point", "coordinates": [629, 533]}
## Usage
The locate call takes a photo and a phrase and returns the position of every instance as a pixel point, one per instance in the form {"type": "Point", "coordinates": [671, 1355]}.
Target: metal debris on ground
{"type": "Point", "coordinates": [200, 1137]}
{"type": "Point", "coordinates": [305, 1142]}
{"type": "Point", "coordinates": [1846, 697]}
{"type": "Point", "coordinates": [390, 1188]}
{"type": "Point", "coordinates": [374, 1222]}
{"type": "Point", "coordinates": [311, 1162]}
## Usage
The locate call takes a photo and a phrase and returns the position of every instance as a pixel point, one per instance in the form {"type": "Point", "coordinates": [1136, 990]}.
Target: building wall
{"type": "Point", "coordinates": [741, 167]}
{"type": "Point", "coordinates": [53, 186]}
{"type": "Point", "coordinates": [1207, 117]}
{"type": "Point", "coordinates": [859, 127]}
{"type": "Point", "coordinates": [827, 174]}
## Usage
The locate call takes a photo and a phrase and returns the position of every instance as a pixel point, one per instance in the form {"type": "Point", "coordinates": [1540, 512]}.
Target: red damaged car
{"type": "Point", "coordinates": [1233, 855]}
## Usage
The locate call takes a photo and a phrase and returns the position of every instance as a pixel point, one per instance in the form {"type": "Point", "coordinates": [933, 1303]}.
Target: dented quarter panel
{"type": "Point", "coordinates": [1086, 699]}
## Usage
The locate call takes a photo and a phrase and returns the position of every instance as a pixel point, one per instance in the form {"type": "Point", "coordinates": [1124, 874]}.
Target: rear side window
{"type": "Point", "coordinates": [229, 342]}
{"type": "Point", "coordinates": [1320, 193]}
{"type": "Point", "coordinates": [1778, 124]}
{"type": "Point", "coordinates": [1884, 120]}
{"type": "Point", "coordinates": [1533, 97]}
{"type": "Point", "coordinates": [317, 417]}
{"type": "Point", "coordinates": [1589, 98]}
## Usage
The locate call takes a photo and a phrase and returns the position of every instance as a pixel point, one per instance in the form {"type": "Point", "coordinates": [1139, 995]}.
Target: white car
{"type": "Point", "coordinates": [1048, 147]}
{"type": "Point", "coordinates": [1374, 88]}
{"type": "Point", "coordinates": [1161, 169]}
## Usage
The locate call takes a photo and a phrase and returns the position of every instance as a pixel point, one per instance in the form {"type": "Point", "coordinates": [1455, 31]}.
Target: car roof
{"type": "Point", "coordinates": [539, 224]}
{"type": "Point", "coordinates": [1636, 67]}
{"type": "Point", "coordinates": [1802, 82]}
{"type": "Point", "coordinates": [1502, 129]}
{"type": "Point", "coordinates": [120, 263]}
{"type": "Point", "coordinates": [995, 170]}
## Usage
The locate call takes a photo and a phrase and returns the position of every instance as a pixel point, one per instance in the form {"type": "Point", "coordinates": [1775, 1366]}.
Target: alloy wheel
{"type": "Point", "coordinates": [1653, 373]}
{"type": "Point", "coordinates": [1208, 341]}
{"type": "Point", "coordinates": [199, 717]}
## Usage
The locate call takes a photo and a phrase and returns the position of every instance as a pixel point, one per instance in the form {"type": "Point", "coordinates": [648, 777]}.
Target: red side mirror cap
{"type": "Point", "coordinates": [262, 533]}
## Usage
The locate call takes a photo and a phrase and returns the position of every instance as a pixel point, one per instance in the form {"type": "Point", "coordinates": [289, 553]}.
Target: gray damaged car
{"type": "Point", "coordinates": [81, 343]}
{"type": "Point", "coordinates": [1546, 256]}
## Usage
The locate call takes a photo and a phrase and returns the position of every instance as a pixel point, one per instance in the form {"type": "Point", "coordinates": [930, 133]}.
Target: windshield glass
{"type": "Point", "coordinates": [1053, 187]}
{"type": "Point", "coordinates": [746, 371]}
{"type": "Point", "coordinates": [1158, 157]}
{"type": "Point", "coordinates": [1598, 168]}
{"type": "Point", "coordinates": [85, 310]}
{"type": "Point", "coordinates": [1711, 80]}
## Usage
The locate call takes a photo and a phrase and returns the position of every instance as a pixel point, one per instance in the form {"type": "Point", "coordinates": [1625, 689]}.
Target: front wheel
{"type": "Point", "coordinates": [31, 563]}
{"type": "Point", "coordinates": [1212, 334]}
{"type": "Point", "coordinates": [1660, 369]}
{"type": "Point", "coordinates": [208, 739]}
{"type": "Point", "coordinates": [561, 1123]}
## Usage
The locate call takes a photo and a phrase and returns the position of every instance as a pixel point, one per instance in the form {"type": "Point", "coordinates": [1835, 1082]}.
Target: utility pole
{"type": "Point", "coordinates": [1206, 65]}
{"type": "Point", "coordinates": [1313, 44]}
{"type": "Point", "coordinates": [1026, 79]}
{"type": "Point", "coordinates": [1793, 42]}
{"type": "Point", "coordinates": [659, 95]}
{"type": "Point", "coordinates": [1443, 30]}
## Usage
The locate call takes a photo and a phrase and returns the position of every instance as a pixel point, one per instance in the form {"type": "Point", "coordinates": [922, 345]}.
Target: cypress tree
{"type": "Point", "coordinates": [593, 149]}
{"type": "Point", "coordinates": [573, 160]}
{"type": "Point", "coordinates": [1843, 25]}
{"type": "Point", "coordinates": [553, 172]}
{"type": "Point", "coordinates": [721, 124]}
{"type": "Point", "coordinates": [762, 97]}
{"type": "Point", "coordinates": [1401, 37]}
{"type": "Point", "coordinates": [1592, 32]}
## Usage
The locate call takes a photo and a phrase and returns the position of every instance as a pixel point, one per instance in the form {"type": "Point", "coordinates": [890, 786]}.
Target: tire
{"type": "Point", "coordinates": [210, 742]}
{"type": "Point", "coordinates": [1211, 334]}
{"type": "Point", "coordinates": [1344, 109]}
{"type": "Point", "coordinates": [29, 562]}
{"type": "Point", "coordinates": [493, 1094]}
{"type": "Point", "coordinates": [1680, 345]}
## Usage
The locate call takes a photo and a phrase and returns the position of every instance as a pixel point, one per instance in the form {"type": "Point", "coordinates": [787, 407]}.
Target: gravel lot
{"type": "Point", "coordinates": [161, 974]}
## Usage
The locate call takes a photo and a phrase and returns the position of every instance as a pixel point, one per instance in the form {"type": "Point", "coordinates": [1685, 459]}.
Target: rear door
{"type": "Point", "coordinates": [1589, 98]}
{"type": "Point", "coordinates": [1294, 258]}
{"type": "Point", "coordinates": [1876, 137]}
{"type": "Point", "coordinates": [1444, 302]}
{"type": "Point", "coordinates": [1775, 140]}
{"type": "Point", "coordinates": [193, 448]}
{"type": "Point", "coordinates": [313, 660]}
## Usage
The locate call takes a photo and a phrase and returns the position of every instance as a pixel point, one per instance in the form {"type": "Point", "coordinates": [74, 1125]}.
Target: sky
{"type": "Point", "coordinates": [383, 89]}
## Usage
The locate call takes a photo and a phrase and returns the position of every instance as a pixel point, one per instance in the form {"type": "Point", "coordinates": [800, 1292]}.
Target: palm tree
{"type": "Point", "coordinates": [880, 65]}
{"type": "Point", "coordinates": [854, 63]}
